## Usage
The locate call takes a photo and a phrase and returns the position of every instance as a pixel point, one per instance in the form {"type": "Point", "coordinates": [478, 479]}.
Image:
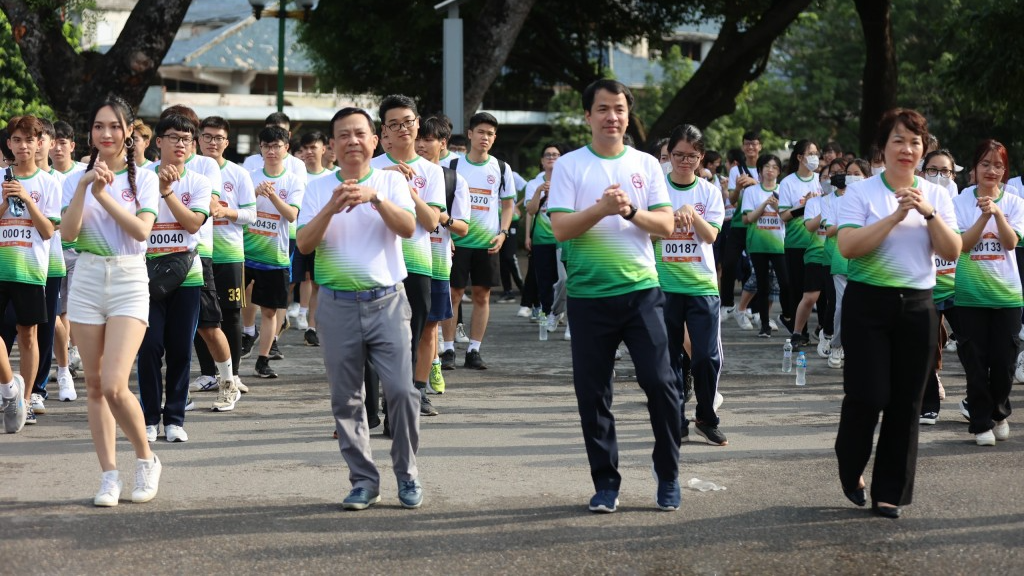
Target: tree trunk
{"type": "Point", "coordinates": [738, 56]}
{"type": "Point", "coordinates": [73, 83]}
{"type": "Point", "coordinates": [880, 74]}
{"type": "Point", "coordinates": [488, 46]}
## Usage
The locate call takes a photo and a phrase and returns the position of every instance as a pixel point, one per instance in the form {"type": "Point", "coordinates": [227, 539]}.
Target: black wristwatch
{"type": "Point", "coordinates": [632, 212]}
{"type": "Point", "coordinates": [505, 232]}
{"type": "Point", "coordinates": [932, 215]}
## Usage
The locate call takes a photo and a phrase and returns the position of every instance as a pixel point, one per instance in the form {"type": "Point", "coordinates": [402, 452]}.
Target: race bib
{"type": "Point", "coordinates": [166, 238]}
{"type": "Point", "coordinates": [680, 247]}
{"type": "Point", "coordinates": [944, 267]}
{"type": "Point", "coordinates": [222, 221]}
{"type": "Point", "coordinates": [769, 221]}
{"type": "Point", "coordinates": [480, 199]}
{"type": "Point", "coordinates": [16, 232]}
{"type": "Point", "coordinates": [266, 224]}
{"type": "Point", "coordinates": [988, 248]}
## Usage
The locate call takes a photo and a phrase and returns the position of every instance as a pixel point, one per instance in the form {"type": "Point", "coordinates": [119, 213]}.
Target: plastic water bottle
{"type": "Point", "coordinates": [801, 370]}
{"type": "Point", "coordinates": [703, 485]}
{"type": "Point", "coordinates": [787, 356]}
{"type": "Point", "coordinates": [543, 324]}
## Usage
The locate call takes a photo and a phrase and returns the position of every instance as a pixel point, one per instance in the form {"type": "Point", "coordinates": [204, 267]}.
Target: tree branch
{"type": "Point", "coordinates": [489, 44]}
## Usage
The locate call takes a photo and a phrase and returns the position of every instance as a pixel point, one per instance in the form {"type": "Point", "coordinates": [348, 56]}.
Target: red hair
{"type": "Point", "coordinates": [991, 145]}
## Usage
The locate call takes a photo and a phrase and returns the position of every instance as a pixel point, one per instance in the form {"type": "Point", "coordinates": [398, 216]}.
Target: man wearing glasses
{"type": "Point", "coordinates": [740, 177]}
{"type": "Point", "coordinates": [278, 198]}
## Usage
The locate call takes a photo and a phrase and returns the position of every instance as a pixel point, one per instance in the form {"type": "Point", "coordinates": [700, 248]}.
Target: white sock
{"type": "Point", "coordinates": [7, 390]}
{"type": "Point", "coordinates": [149, 462]}
{"type": "Point", "coordinates": [473, 345]}
{"type": "Point", "coordinates": [249, 330]}
{"type": "Point", "coordinates": [224, 368]}
{"type": "Point", "coordinates": [437, 360]}
{"type": "Point", "coordinates": [111, 475]}
{"type": "Point", "coordinates": [62, 370]}
{"type": "Point", "coordinates": [313, 328]}
{"type": "Point", "coordinates": [303, 311]}
{"type": "Point", "coordinates": [449, 345]}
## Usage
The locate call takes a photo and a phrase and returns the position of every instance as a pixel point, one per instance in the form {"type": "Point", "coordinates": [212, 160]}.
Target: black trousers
{"type": "Point", "coordinates": [795, 274]}
{"type": "Point", "coordinates": [931, 401]}
{"type": "Point", "coordinates": [598, 326]}
{"type": "Point", "coordinates": [509, 263]}
{"type": "Point", "coordinates": [699, 315]}
{"type": "Point", "coordinates": [986, 341]}
{"type": "Point", "coordinates": [889, 337]}
{"type": "Point", "coordinates": [735, 244]}
{"type": "Point", "coordinates": [763, 300]}
{"type": "Point", "coordinates": [545, 263]}
{"type": "Point", "coordinates": [172, 326]}
{"type": "Point", "coordinates": [529, 297]}
{"type": "Point", "coordinates": [417, 290]}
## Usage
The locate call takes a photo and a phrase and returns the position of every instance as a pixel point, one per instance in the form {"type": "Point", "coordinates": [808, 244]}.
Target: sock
{"type": "Point", "coordinates": [62, 370]}
{"type": "Point", "coordinates": [7, 390]}
{"type": "Point", "coordinates": [449, 345]}
{"type": "Point", "coordinates": [249, 330]}
{"type": "Point", "coordinates": [420, 385]}
{"type": "Point", "coordinates": [111, 475]}
{"type": "Point", "coordinates": [437, 360]}
{"type": "Point", "coordinates": [275, 339]}
{"type": "Point", "coordinates": [473, 345]}
{"type": "Point", "coordinates": [303, 311]}
{"type": "Point", "coordinates": [313, 328]}
{"type": "Point", "coordinates": [224, 368]}
{"type": "Point", "coordinates": [149, 462]}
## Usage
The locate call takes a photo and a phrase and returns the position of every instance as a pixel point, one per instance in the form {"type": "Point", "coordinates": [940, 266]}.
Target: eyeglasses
{"type": "Point", "coordinates": [274, 147]}
{"type": "Point", "coordinates": [994, 168]}
{"type": "Point", "coordinates": [933, 172]}
{"type": "Point", "coordinates": [211, 138]}
{"type": "Point", "coordinates": [751, 143]}
{"type": "Point", "coordinates": [551, 156]}
{"type": "Point", "coordinates": [175, 139]}
{"type": "Point", "coordinates": [688, 158]}
{"type": "Point", "coordinates": [396, 126]}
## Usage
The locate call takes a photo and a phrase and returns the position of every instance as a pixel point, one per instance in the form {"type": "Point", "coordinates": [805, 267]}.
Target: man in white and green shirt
{"type": "Point", "coordinates": [607, 200]}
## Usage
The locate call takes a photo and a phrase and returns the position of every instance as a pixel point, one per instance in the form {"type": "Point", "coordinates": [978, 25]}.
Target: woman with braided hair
{"type": "Point", "coordinates": [109, 210]}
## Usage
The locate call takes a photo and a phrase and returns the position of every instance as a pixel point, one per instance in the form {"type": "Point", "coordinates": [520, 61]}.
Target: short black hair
{"type": "Point", "coordinates": [271, 134]}
{"type": "Point", "coordinates": [687, 133]}
{"type": "Point", "coordinates": [436, 128]}
{"type": "Point", "coordinates": [278, 119]}
{"type": "Point", "coordinates": [312, 138]}
{"type": "Point", "coordinates": [765, 159]}
{"type": "Point", "coordinates": [5, 151]}
{"type": "Point", "coordinates": [48, 128]}
{"type": "Point", "coordinates": [458, 140]}
{"type": "Point", "coordinates": [396, 101]}
{"type": "Point", "coordinates": [609, 85]}
{"type": "Point", "coordinates": [177, 122]}
{"type": "Point", "coordinates": [346, 112]}
{"type": "Point", "coordinates": [215, 122]}
{"type": "Point", "coordinates": [482, 118]}
{"type": "Point", "coordinates": [833, 147]}
{"type": "Point", "coordinates": [63, 130]}
{"type": "Point", "coordinates": [752, 135]}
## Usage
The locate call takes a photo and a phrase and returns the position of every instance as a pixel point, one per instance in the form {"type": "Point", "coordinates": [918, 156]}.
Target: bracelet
{"type": "Point", "coordinates": [932, 215]}
{"type": "Point", "coordinates": [166, 195]}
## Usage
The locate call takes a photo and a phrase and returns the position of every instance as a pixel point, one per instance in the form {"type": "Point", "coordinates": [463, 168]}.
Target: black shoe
{"type": "Point", "coordinates": [857, 496]}
{"type": "Point", "coordinates": [275, 352]}
{"type": "Point", "coordinates": [387, 428]}
{"type": "Point", "coordinates": [684, 436]}
{"type": "Point", "coordinates": [448, 360]}
{"type": "Point", "coordinates": [473, 360]}
{"type": "Point", "coordinates": [507, 297]}
{"type": "Point", "coordinates": [263, 369]}
{"type": "Point", "coordinates": [712, 434]}
{"type": "Point", "coordinates": [247, 344]}
{"type": "Point", "coordinates": [765, 332]}
{"type": "Point", "coordinates": [311, 337]}
{"type": "Point", "coordinates": [788, 324]}
{"type": "Point", "coordinates": [426, 407]}
{"type": "Point", "coordinates": [373, 422]}
{"type": "Point", "coordinates": [886, 511]}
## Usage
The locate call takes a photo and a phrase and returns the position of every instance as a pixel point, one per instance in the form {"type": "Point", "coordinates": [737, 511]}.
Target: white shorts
{"type": "Point", "coordinates": [70, 259]}
{"type": "Point", "coordinates": [108, 286]}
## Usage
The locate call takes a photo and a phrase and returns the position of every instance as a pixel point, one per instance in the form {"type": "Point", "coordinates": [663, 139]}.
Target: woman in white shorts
{"type": "Point", "coordinates": [109, 210]}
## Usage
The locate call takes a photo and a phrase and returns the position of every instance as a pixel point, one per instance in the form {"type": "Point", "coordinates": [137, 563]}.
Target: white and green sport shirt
{"type": "Point", "coordinates": [428, 182]}
{"type": "Point", "coordinates": [266, 239]}
{"type": "Point", "coordinates": [484, 184]}
{"type": "Point", "coordinates": [615, 256]}
{"type": "Point", "coordinates": [767, 235]}
{"type": "Point", "coordinates": [541, 233]}
{"type": "Point", "coordinates": [986, 273]}
{"type": "Point", "coordinates": [24, 254]}
{"type": "Point", "coordinates": [358, 252]}
{"type": "Point", "coordinates": [792, 191]}
{"type": "Point", "coordinates": [905, 259]}
{"type": "Point", "coordinates": [236, 193]}
{"type": "Point", "coordinates": [100, 233]}
{"type": "Point", "coordinates": [685, 261]}
{"type": "Point", "coordinates": [441, 238]}
{"type": "Point", "coordinates": [168, 235]}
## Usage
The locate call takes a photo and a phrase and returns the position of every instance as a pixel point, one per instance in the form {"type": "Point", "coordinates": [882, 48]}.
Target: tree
{"type": "Point", "coordinates": [72, 82]}
{"type": "Point", "coordinates": [880, 73]}
{"type": "Point", "coordinates": [18, 93]}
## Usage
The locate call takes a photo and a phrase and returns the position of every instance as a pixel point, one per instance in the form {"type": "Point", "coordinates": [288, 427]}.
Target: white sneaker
{"type": "Point", "coordinates": [466, 298]}
{"type": "Point", "coordinates": [241, 387]}
{"type": "Point", "coordinates": [552, 322]}
{"type": "Point", "coordinates": [36, 403]}
{"type": "Point", "coordinates": [15, 411]}
{"type": "Point", "coordinates": [951, 345]}
{"type": "Point", "coordinates": [302, 323]}
{"type": "Point", "coordinates": [743, 319]}
{"type": "Point", "coordinates": [566, 336]}
{"type": "Point", "coordinates": [190, 404]}
{"type": "Point", "coordinates": [110, 490]}
{"type": "Point", "coordinates": [618, 354]}
{"type": "Point", "coordinates": [74, 359]}
{"type": "Point", "coordinates": [835, 357]}
{"type": "Point", "coordinates": [151, 432]}
{"type": "Point", "coordinates": [985, 439]}
{"type": "Point", "coordinates": [1018, 373]}
{"type": "Point", "coordinates": [524, 312]}
{"type": "Point", "coordinates": [293, 310]}
{"type": "Point", "coordinates": [725, 313]}
{"type": "Point", "coordinates": [825, 346]}
{"type": "Point", "coordinates": [1002, 430]}
{"type": "Point", "coordinates": [147, 479]}
{"type": "Point", "coordinates": [460, 334]}
{"type": "Point", "coordinates": [175, 433]}
{"type": "Point", "coordinates": [773, 325]}
{"type": "Point", "coordinates": [227, 396]}
{"type": "Point", "coordinates": [67, 387]}
{"type": "Point", "coordinates": [204, 384]}
{"type": "Point", "coordinates": [717, 402]}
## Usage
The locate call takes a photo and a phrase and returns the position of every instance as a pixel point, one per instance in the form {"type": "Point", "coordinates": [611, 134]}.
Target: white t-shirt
{"type": "Point", "coordinates": [441, 238]}
{"type": "Point", "coordinates": [986, 275]}
{"type": "Point", "coordinates": [236, 193]}
{"type": "Point", "coordinates": [793, 191]}
{"type": "Point", "coordinates": [100, 234]}
{"type": "Point", "coordinates": [266, 239]}
{"type": "Point", "coordinates": [208, 167]}
{"type": "Point", "coordinates": [734, 173]}
{"type": "Point", "coordinates": [485, 181]}
{"type": "Point", "coordinates": [62, 177]}
{"type": "Point", "coordinates": [358, 252]}
{"type": "Point", "coordinates": [168, 235]}
{"type": "Point", "coordinates": [685, 261]}
{"type": "Point", "coordinates": [614, 257]}
{"type": "Point", "coordinates": [24, 254]}
{"type": "Point", "coordinates": [906, 258]}
{"type": "Point", "coordinates": [293, 164]}
{"type": "Point", "coordinates": [448, 158]}
{"type": "Point", "coordinates": [429, 184]}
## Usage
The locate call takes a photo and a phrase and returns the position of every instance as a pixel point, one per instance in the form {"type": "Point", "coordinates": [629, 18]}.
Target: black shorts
{"type": "Point", "coordinates": [302, 264]}
{"type": "Point", "coordinates": [815, 276]}
{"type": "Point", "coordinates": [230, 285]}
{"type": "Point", "coordinates": [269, 287]}
{"type": "Point", "coordinates": [476, 267]}
{"type": "Point", "coordinates": [29, 301]}
{"type": "Point", "coordinates": [209, 308]}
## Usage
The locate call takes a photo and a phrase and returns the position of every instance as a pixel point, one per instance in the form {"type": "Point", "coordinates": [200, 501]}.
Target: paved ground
{"type": "Point", "coordinates": [506, 479]}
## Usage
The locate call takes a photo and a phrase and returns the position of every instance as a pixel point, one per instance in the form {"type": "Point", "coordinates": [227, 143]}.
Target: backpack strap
{"type": "Point", "coordinates": [450, 182]}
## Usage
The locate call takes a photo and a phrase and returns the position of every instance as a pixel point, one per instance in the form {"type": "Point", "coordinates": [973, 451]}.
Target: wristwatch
{"type": "Point", "coordinates": [632, 212]}
{"type": "Point", "coordinates": [505, 232]}
{"type": "Point", "coordinates": [932, 215]}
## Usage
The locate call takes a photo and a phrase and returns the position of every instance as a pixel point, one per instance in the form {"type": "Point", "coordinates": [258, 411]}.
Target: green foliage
{"type": "Point", "coordinates": [18, 92]}
{"type": "Point", "coordinates": [655, 96]}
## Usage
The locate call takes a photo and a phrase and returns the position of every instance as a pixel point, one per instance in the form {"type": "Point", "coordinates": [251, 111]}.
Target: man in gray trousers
{"type": "Point", "coordinates": [355, 220]}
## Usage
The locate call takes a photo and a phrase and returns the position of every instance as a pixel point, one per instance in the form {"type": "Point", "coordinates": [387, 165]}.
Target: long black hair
{"type": "Point", "coordinates": [126, 116]}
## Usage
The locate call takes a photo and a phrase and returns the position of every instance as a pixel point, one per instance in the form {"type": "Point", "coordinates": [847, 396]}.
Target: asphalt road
{"type": "Point", "coordinates": [506, 481]}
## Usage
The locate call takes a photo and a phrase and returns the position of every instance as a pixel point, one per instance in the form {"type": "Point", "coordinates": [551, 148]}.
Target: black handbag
{"type": "Point", "coordinates": [166, 273]}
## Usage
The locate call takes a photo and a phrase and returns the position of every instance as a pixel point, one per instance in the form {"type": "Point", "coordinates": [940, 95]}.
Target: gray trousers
{"type": "Point", "coordinates": [840, 282]}
{"type": "Point", "coordinates": [349, 332]}
{"type": "Point", "coordinates": [558, 304]}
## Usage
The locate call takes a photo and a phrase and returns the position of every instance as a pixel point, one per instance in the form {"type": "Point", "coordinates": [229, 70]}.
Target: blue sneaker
{"type": "Point", "coordinates": [668, 495]}
{"type": "Point", "coordinates": [605, 501]}
{"type": "Point", "coordinates": [410, 493]}
{"type": "Point", "coordinates": [360, 499]}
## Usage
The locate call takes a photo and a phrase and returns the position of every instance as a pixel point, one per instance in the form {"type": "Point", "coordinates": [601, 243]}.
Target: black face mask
{"type": "Point", "coordinates": [838, 181]}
